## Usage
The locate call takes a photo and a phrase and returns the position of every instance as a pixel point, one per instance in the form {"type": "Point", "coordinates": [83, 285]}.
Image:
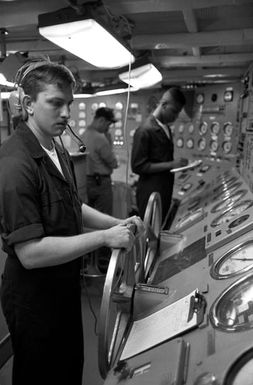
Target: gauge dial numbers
{"type": "Point", "coordinates": [235, 262]}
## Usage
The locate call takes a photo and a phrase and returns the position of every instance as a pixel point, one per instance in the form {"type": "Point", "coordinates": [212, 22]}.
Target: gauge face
{"type": "Point", "coordinates": [245, 374]}
{"type": "Point", "coordinates": [229, 201]}
{"type": "Point", "coordinates": [203, 128]}
{"type": "Point", "coordinates": [241, 372]}
{"type": "Point", "coordinates": [214, 145]}
{"type": "Point", "coordinates": [233, 309]}
{"type": "Point", "coordinates": [228, 128]}
{"type": "Point", "coordinates": [236, 261]}
{"type": "Point", "coordinates": [200, 98]}
{"type": "Point", "coordinates": [189, 218]}
{"type": "Point", "coordinates": [229, 214]}
{"type": "Point", "coordinates": [191, 128]}
{"type": "Point", "coordinates": [215, 128]}
{"type": "Point", "coordinates": [181, 128]}
{"type": "Point", "coordinates": [227, 147]}
{"type": "Point", "coordinates": [180, 142]}
{"type": "Point", "coordinates": [202, 144]}
{"type": "Point", "coordinates": [190, 143]}
{"type": "Point", "coordinates": [228, 95]}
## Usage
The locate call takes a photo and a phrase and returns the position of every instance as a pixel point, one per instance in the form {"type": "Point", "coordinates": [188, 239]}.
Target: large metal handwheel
{"type": "Point", "coordinates": [125, 270]}
{"type": "Point", "coordinates": [153, 224]}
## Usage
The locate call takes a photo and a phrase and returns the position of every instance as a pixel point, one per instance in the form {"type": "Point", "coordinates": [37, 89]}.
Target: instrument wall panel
{"type": "Point", "coordinates": [214, 128]}
{"type": "Point", "coordinates": [140, 105]}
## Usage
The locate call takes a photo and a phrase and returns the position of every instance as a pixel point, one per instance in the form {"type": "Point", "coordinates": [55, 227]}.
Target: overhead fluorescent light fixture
{"type": "Point", "coordinates": [114, 90]}
{"type": "Point", "coordinates": [143, 76]}
{"type": "Point", "coordinates": [4, 81]}
{"type": "Point", "coordinates": [86, 37]}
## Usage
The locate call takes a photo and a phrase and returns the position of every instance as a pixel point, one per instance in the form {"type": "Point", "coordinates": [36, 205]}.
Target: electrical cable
{"type": "Point", "coordinates": [125, 122]}
{"type": "Point", "coordinates": [82, 147]}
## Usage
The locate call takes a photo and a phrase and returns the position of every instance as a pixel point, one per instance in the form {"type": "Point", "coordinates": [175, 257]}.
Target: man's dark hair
{"type": "Point", "coordinates": [35, 76]}
{"type": "Point", "coordinates": [176, 93]}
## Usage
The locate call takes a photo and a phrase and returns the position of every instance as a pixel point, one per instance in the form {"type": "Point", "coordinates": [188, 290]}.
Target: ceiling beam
{"type": "Point", "coordinates": [191, 24]}
{"type": "Point", "coordinates": [199, 39]}
{"type": "Point", "coordinates": [142, 6]}
{"type": "Point", "coordinates": [205, 60]}
{"type": "Point", "coordinates": [193, 73]}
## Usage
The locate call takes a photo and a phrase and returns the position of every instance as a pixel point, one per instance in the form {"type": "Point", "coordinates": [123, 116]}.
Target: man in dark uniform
{"type": "Point", "coordinates": [41, 222]}
{"type": "Point", "coordinates": [152, 152]}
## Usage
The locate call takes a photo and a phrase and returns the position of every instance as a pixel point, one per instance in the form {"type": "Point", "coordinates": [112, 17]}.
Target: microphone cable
{"type": "Point", "coordinates": [82, 147]}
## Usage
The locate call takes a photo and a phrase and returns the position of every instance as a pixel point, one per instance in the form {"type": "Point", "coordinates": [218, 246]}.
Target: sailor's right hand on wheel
{"type": "Point", "coordinates": [120, 236]}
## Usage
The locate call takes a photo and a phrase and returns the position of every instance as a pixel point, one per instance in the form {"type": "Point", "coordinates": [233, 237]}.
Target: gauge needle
{"type": "Point", "coordinates": [243, 259]}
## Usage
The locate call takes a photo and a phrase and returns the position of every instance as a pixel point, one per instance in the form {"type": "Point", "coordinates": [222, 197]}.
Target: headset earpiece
{"type": "Point", "coordinates": [16, 103]}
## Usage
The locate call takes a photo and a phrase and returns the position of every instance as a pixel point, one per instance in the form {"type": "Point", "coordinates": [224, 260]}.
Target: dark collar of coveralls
{"type": "Point", "coordinates": [37, 152]}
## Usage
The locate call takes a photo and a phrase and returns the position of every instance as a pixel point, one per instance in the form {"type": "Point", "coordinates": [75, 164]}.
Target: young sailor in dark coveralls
{"type": "Point", "coordinates": [41, 222]}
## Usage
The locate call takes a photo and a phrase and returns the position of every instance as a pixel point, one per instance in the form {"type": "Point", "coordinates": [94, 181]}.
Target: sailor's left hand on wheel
{"type": "Point", "coordinates": [140, 229]}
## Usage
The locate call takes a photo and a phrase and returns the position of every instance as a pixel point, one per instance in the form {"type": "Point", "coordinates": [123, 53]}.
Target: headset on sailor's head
{"type": "Point", "coordinates": [17, 96]}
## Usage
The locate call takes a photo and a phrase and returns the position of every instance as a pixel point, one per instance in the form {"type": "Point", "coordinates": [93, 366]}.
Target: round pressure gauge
{"type": "Point", "coordinates": [190, 143]}
{"type": "Point", "coordinates": [180, 142]}
{"type": "Point", "coordinates": [228, 128]}
{"type": "Point", "coordinates": [189, 219]}
{"type": "Point", "coordinates": [202, 144]}
{"type": "Point", "coordinates": [228, 95]}
{"type": "Point", "coordinates": [200, 98]}
{"type": "Point", "coordinates": [236, 261]}
{"type": "Point", "coordinates": [214, 145]}
{"type": "Point", "coordinates": [191, 128]}
{"type": "Point", "coordinates": [181, 128]}
{"type": "Point", "coordinates": [230, 213]}
{"type": "Point", "coordinates": [203, 128]}
{"type": "Point", "coordinates": [233, 309]}
{"type": "Point", "coordinates": [227, 146]}
{"type": "Point", "coordinates": [215, 127]}
{"type": "Point", "coordinates": [229, 201]}
{"type": "Point", "coordinates": [241, 371]}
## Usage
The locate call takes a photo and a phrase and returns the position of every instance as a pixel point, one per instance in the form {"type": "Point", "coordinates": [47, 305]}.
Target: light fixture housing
{"type": "Point", "coordinates": [114, 89]}
{"type": "Point", "coordinates": [86, 36]}
{"type": "Point", "coordinates": [143, 74]}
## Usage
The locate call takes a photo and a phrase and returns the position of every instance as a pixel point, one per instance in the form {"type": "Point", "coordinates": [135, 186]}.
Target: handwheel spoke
{"type": "Point", "coordinates": [153, 223]}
